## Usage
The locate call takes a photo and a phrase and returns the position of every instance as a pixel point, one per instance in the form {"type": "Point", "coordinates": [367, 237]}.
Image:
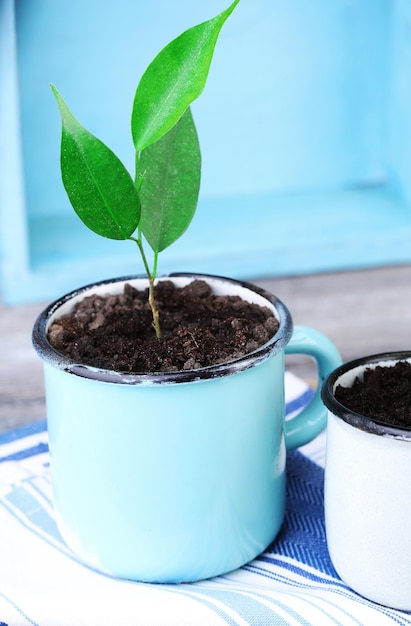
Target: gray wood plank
{"type": "Point", "coordinates": [363, 312]}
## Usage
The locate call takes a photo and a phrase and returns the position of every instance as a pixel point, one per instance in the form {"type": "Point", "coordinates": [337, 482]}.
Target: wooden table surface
{"type": "Point", "coordinates": [363, 312]}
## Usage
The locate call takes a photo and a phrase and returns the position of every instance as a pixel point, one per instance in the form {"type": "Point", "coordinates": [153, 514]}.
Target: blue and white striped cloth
{"type": "Point", "coordinates": [293, 582]}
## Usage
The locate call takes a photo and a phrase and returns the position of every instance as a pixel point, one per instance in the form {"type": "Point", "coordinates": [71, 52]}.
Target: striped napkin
{"type": "Point", "coordinates": [292, 582]}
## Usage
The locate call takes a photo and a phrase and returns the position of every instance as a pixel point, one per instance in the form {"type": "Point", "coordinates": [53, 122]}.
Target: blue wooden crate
{"type": "Point", "coordinates": [305, 129]}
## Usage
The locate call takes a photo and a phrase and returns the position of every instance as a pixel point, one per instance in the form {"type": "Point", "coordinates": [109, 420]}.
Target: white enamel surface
{"type": "Point", "coordinates": [368, 512]}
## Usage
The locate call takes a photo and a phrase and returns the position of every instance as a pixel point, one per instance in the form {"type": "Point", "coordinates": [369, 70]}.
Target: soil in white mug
{"type": "Point", "coordinates": [384, 393]}
{"type": "Point", "coordinates": [199, 329]}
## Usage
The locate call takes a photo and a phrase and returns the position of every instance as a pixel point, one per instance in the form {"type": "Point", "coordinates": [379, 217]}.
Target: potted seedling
{"type": "Point", "coordinates": [368, 478]}
{"type": "Point", "coordinates": [168, 466]}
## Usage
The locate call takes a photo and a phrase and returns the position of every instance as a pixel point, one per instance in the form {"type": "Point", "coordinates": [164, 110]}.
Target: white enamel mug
{"type": "Point", "coordinates": [368, 494]}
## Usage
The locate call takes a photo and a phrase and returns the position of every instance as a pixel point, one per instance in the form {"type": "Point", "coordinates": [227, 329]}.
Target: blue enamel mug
{"type": "Point", "coordinates": [175, 477]}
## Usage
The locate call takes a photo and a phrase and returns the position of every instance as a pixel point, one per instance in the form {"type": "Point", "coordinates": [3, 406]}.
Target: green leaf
{"type": "Point", "coordinates": [98, 185]}
{"type": "Point", "coordinates": [170, 171]}
{"type": "Point", "coordinates": [174, 79]}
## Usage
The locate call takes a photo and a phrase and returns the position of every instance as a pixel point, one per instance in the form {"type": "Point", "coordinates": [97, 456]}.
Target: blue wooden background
{"type": "Point", "coordinates": [304, 125]}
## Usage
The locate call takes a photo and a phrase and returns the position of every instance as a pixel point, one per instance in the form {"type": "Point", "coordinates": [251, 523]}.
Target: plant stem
{"type": "Point", "coordinates": [151, 278]}
{"type": "Point", "coordinates": [154, 309]}
{"type": "Point", "coordinates": [150, 275]}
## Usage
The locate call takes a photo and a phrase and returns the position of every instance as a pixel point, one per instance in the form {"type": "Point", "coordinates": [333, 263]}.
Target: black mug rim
{"type": "Point", "coordinates": [54, 358]}
{"type": "Point", "coordinates": [363, 422]}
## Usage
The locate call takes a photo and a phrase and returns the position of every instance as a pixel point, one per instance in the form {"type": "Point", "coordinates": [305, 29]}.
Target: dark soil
{"type": "Point", "coordinates": [199, 329]}
{"type": "Point", "coordinates": [384, 394]}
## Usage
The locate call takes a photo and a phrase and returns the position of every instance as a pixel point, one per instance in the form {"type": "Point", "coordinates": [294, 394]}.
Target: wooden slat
{"type": "Point", "coordinates": [363, 312]}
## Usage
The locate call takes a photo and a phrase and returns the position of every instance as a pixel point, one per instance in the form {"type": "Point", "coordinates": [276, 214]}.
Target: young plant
{"type": "Point", "coordinates": [160, 202]}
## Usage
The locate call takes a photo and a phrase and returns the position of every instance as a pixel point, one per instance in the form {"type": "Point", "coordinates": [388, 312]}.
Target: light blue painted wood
{"type": "Point", "coordinates": [324, 231]}
{"type": "Point", "coordinates": [305, 129]}
{"type": "Point", "coordinates": [287, 103]}
{"type": "Point", "coordinates": [399, 103]}
{"type": "Point", "coordinates": [14, 253]}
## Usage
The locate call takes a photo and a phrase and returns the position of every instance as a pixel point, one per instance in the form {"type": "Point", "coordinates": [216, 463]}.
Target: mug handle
{"type": "Point", "coordinates": [305, 426]}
